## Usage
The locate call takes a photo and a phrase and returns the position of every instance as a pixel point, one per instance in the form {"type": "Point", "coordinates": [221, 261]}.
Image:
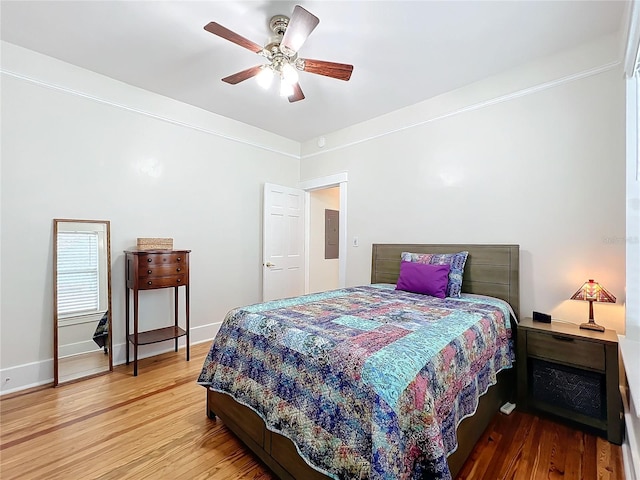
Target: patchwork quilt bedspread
{"type": "Point", "coordinates": [368, 382]}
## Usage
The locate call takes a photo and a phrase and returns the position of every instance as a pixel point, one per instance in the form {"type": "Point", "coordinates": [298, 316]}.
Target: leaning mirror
{"type": "Point", "coordinates": [81, 299]}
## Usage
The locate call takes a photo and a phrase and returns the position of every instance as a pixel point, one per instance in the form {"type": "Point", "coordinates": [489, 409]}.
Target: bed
{"type": "Point", "coordinates": [337, 444]}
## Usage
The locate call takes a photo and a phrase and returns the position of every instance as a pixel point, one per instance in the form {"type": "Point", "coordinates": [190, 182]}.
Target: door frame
{"type": "Point", "coordinates": [336, 180]}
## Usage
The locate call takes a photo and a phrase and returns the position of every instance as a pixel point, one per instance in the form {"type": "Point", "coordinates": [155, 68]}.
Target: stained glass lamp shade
{"type": "Point", "coordinates": [593, 292]}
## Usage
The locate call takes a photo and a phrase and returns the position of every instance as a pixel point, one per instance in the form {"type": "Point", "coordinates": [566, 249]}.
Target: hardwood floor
{"type": "Point", "coordinates": [154, 426]}
{"type": "Point", "coordinates": [523, 446]}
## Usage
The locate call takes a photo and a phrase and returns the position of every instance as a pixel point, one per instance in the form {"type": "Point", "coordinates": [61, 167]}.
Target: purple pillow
{"type": "Point", "coordinates": [423, 278]}
{"type": "Point", "coordinates": [456, 262]}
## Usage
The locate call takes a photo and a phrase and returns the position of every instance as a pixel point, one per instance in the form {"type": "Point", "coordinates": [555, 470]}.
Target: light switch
{"type": "Point", "coordinates": [355, 241]}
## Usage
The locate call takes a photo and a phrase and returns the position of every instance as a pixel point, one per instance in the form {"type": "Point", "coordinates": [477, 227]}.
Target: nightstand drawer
{"type": "Point", "coordinates": [160, 258]}
{"type": "Point", "coordinates": [568, 350]}
{"type": "Point", "coordinates": [162, 282]}
{"type": "Point", "coordinates": [151, 271]}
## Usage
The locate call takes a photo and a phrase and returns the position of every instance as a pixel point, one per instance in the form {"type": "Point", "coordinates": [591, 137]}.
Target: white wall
{"type": "Point", "coordinates": [323, 273]}
{"type": "Point", "coordinates": [76, 144]}
{"type": "Point", "coordinates": [534, 157]}
{"type": "Point", "coordinates": [633, 212]}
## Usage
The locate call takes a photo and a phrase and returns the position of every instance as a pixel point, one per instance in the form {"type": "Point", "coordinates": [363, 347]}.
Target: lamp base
{"type": "Point", "coordinates": [592, 326]}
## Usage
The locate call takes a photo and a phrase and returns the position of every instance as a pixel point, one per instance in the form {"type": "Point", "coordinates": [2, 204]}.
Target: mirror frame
{"type": "Point", "coordinates": [107, 224]}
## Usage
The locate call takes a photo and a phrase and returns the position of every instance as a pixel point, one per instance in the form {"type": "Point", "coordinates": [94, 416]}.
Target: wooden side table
{"type": "Point", "coordinates": [571, 373]}
{"type": "Point", "coordinates": [152, 269]}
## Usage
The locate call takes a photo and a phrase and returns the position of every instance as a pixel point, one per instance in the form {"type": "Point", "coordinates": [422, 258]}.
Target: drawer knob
{"type": "Point", "coordinates": [178, 259]}
{"type": "Point", "coordinates": [178, 269]}
{"type": "Point", "coordinates": [149, 260]}
{"type": "Point", "coordinates": [178, 280]}
{"type": "Point", "coordinates": [149, 271]}
{"type": "Point", "coordinates": [149, 282]}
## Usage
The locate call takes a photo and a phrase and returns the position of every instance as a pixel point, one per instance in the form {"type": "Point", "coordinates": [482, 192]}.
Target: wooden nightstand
{"type": "Point", "coordinates": [149, 270]}
{"type": "Point", "coordinates": [572, 373]}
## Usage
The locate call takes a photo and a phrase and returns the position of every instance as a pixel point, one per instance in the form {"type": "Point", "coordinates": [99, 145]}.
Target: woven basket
{"type": "Point", "coordinates": [155, 243]}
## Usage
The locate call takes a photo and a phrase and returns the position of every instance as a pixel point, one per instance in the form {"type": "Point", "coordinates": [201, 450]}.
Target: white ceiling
{"type": "Point", "coordinates": [403, 52]}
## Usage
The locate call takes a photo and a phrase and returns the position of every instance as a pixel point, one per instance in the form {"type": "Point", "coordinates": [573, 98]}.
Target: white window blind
{"type": "Point", "coordinates": [78, 276]}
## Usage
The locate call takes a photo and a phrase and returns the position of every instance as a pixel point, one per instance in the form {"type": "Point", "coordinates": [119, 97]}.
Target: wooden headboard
{"type": "Point", "coordinates": [490, 269]}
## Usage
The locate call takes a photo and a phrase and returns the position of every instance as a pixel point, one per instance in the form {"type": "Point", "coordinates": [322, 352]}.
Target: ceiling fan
{"type": "Point", "coordinates": [282, 53]}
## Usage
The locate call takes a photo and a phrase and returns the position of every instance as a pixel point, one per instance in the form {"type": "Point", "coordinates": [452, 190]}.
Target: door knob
{"type": "Point", "coordinates": [269, 264]}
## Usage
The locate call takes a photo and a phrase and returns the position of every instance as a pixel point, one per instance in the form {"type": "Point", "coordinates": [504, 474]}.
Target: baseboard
{"type": "Point", "coordinates": [629, 468]}
{"type": "Point", "coordinates": [631, 444]}
{"type": "Point", "coordinates": [30, 375]}
{"type": "Point", "coordinates": [23, 377]}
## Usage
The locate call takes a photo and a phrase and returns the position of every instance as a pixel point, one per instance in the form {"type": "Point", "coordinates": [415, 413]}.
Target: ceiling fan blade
{"type": "Point", "coordinates": [297, 93]}
{"type": "Point", "coordinates": [227, 34]}
{"type": "Point", "coordinates": [301, 24]}
{"type": "Point", "coordinates": [243, 75]}
{"type": "Point", "coordinates": [341, 71]}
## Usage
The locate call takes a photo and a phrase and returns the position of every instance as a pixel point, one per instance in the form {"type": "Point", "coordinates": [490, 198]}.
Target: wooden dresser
{"type": "Point", "coordinates": [153, 269]}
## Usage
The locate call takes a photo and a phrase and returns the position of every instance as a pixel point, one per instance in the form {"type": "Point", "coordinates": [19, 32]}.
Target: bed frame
{"type": "Point", "coordinates": [489, 270]}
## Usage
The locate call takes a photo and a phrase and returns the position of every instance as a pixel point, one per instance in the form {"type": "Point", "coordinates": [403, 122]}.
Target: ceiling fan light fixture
{"type": "Point", "coordinates": [286, 89]}
{"type": "Point", "coordinates": [289, 74]}
{"type": "Point", "coordinates": [265, 77]}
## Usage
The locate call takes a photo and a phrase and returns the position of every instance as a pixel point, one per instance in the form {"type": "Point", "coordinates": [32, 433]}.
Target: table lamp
{"type": "Point", "coordinates": [593, 292]}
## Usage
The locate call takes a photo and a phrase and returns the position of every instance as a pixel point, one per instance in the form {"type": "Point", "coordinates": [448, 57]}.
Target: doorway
{"type": "Point", "coordinates": [339, 182]}
{"type": "Point", "coordinates": [323, 245]}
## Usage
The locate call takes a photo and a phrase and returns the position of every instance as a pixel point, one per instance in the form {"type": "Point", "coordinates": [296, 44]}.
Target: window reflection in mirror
{"type": "Point", "coordinates": [82, 299]}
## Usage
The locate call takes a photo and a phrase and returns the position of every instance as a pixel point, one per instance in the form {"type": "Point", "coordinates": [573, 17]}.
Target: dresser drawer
{"type": "Point", "coordinates": [160, 259]}
{"type": "Point", "coordinates": [566, 349]}
{"type": "Point", "coordinates": [163, 282]}
{"type": "Point", "coordinates": [155, 270]}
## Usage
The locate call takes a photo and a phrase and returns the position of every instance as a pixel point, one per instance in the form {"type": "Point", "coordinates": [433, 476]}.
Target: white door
{"type": "Point", "coordinates": [283, 242]}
